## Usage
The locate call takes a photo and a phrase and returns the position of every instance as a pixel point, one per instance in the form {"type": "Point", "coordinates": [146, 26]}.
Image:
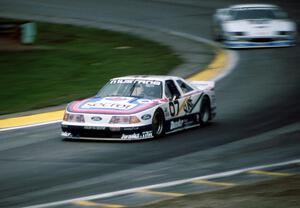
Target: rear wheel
{"type": "Point", "coordinates": [205, 112]}
{"type": "Point", "coordinates": [158, 124]}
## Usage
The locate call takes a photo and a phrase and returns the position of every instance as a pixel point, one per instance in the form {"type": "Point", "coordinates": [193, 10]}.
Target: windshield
{"type": "Point", "coordinates": [148, 89]}
{"type": "Point", "coordinates": [240, 14]}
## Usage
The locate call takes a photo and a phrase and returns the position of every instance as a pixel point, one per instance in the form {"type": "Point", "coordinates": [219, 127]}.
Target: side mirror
{"type": "Point", "coordinates": [174, 97]}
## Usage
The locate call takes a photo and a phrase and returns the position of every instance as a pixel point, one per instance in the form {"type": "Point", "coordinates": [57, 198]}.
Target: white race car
{"type": "Point", "coordinates": [140, 107]}
{"type": "Point", "coordinates": [253, 25]}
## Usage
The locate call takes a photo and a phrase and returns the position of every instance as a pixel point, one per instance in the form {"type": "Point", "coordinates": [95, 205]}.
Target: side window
{"type": "Point", "coordinates": [184, 87]}
{"type": "Point", "coordinates": [168, 92]}
{"type": "Point", "coordinates": [171, 89]}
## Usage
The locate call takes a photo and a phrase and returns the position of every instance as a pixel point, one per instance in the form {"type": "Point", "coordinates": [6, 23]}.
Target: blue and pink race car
{"type": "Point", "coordinates": [140, 107]}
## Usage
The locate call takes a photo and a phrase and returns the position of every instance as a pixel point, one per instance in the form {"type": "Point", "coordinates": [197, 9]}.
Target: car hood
{"type": "Point", "coordinates": [248, 25]}
{"type": "Point", "coordinates": [112, 105]}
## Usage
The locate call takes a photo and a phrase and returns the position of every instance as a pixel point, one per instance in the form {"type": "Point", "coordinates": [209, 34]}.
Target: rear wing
{"type": "Point", "coordinates": [203, 85]}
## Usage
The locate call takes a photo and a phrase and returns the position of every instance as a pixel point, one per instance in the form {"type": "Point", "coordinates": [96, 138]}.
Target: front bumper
{"type": "Point", "coordinates": [106, 133]}
{"type": "Point", "coordinates": [258, 42]}
{"type": "Point", "coordinates": [244, 44]}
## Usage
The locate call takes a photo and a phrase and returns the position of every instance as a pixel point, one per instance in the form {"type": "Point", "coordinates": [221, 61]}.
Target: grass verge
{"type": "Point", "coordinates": [69, 62]}
{"type": "Point", "coordinates": [277, 193]}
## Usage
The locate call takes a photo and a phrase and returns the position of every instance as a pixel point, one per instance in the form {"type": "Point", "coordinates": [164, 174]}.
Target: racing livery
{"type": "Point", "coordinates": [140, 107]}
{"type": "Point", "coordinates": [253, 25]}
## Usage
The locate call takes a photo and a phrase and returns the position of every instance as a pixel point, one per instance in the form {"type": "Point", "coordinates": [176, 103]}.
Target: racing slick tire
{"type": "Point", "coordinates": [158, 124]}
{"type": "Point", "coordinates": [205, 112]}
{"type": "Point", "coordinates": [217, 34]}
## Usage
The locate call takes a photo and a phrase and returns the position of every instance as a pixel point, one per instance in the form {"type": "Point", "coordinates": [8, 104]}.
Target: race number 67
{"type": "Point", "coordinates": [174, 108]}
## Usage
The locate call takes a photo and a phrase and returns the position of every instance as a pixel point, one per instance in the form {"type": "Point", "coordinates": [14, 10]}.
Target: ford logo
{"type": "Point", "coordinates": [96, 118]}
{"type": "Point", "coordinates": [146, 117]}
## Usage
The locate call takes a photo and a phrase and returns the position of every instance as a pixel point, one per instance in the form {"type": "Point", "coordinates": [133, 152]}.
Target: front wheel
{"type": "Point", "coordinates": [158, 124]}
{"type": "Point", "coordinates": [217, 34]}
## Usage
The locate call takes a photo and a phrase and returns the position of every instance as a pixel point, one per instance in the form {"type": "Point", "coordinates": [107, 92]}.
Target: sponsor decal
{"type": "Point", "coordinates": [195, 104]}
{"type": "Point", "coordinates": [166, 111]}
{"type": "Point", "coordinates": [96, 118]}
{"type": "Point", "coordinates": [176, 124]}
{"type": "Point", "coordinates": [94, 127]}
{"type": "Point", "coordinates": [188, 106]}
{"type": "Point", "coordinates": [117, 98]}
{"type": "Point", "coordinates": [66, 134]}
{"type": "Point", "coordinates": [133, 81]}
{"type": "Point", "coordinates": [115, 129]}
{"type": "Point", "coordinates": [189, 123]}
{"type": "Point", "coordinates": [108, 105]}
{"type": "Point", "coordinates": [146, 117]}
{"type": "Point", "coordinates": [143, 101]}
{"type": "Point", "coordinates": [130, 128]}
{"type": "Point", "coordinates": [143, 135]}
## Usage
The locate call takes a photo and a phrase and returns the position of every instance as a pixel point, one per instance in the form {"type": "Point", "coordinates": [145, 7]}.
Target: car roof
{"type": "Point", "coordinates": [149, 77]}
{"type": "Point", "coordinates": [243, 6]}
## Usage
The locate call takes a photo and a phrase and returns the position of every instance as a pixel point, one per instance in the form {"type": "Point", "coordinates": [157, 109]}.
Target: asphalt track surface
{"type": "Point", "coordinates": [257, 121]}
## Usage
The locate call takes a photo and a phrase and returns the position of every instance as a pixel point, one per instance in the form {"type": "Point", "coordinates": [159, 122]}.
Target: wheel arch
{"type": "Point", "coordinates": [161, 114]}
{"type": "Point", "coordinates": [159, 109]}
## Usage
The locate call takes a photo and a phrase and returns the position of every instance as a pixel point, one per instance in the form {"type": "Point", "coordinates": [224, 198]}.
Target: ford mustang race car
{"type": "Point", "coordinates": [140, 107]}
{"type": "Point", "coordinates": [253, 25]}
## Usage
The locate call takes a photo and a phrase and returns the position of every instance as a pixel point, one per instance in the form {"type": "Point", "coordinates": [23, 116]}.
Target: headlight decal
{"type": "Point", "coordinates": [78, 118]}
{"type": "Point", "coordinates": [124, 120]}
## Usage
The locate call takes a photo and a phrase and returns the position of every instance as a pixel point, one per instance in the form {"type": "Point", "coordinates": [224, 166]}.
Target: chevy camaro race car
{"type": "Point", "coordinates": [253, 25]}
{"type": "Point", "coordinates": [140, 107]}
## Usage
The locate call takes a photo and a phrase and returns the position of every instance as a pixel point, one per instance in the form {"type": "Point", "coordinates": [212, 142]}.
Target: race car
{"type": "Point", "coordinates": [140, 107]}
{"type": "Point", "coordinates": [253, 25]}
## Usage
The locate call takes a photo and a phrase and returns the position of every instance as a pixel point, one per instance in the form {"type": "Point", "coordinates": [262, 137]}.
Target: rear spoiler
{"type": "Point", "coordinates": [203, 85]}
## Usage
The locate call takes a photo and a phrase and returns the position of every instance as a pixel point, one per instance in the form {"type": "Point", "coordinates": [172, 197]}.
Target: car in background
{"type": "Point", "coordinates": [253, 25]}
{"type": "Point", "coordinates": [140, 107]}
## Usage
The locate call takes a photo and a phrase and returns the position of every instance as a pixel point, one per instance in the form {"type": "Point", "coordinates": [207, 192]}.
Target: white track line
{"type": "Point", "coordinates": [163, 185]}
